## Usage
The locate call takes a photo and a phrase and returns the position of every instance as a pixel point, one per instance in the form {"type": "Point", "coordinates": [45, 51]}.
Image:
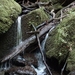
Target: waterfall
{"type": "Point", "coordinates": [41, 70]}
{"type": "Point", "coordinates": [19, 32]}
{"type": "Point", "coordinates": [6, 65]}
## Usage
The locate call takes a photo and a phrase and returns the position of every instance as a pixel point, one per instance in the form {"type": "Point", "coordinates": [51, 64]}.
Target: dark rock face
{"type": "Point", "coordinates": [8, 41]}
{"type": "Point", "coordinates": [30, 60]}
{"type": "Point", "coordinates": [18, 61]}
{"type": "Point", "coordinates": [27, 70]}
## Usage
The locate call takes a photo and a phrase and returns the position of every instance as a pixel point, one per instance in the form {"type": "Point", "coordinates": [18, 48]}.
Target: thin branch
{"type": "Point", "coordinates": [61, 15]}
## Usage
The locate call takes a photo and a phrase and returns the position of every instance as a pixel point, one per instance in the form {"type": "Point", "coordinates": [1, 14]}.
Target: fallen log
{"type": "Point", "coordinates": [22, 46]}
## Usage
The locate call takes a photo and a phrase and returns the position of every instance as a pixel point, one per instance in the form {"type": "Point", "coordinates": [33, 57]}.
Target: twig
{"type": "Point", "coordinates": [50, 21]}
{"type": "Point", "coordinates": [62, 70]}
{"type": "Point", "coordinates": [61, 15]}
{"type": "Point", "coordinates": [37, 36]}
{"type": "Point", "coordinates": [52, 13]}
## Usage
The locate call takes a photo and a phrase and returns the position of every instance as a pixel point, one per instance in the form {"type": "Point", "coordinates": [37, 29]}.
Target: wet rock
{"type": "Point", "coordinates": [8, 41]}
{"type": "Point", "coordinates": [27, 70]}
{"type": "Point", "coordinates": [9, 11]}
{"type": "Point", "coordinates": [30, 60]}
{"type": "Point", "coordinates": [35, 17]}
{"type": "Point", "coordinates": [60, 44]}
{"type": "Point", "coordinates": [18, 61]}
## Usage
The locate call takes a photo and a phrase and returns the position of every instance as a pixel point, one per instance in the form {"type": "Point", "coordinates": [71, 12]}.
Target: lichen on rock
{"type": "Point", "coordinates": [9, 11]}
{"type": "Point", "coordinates": [62, 41]}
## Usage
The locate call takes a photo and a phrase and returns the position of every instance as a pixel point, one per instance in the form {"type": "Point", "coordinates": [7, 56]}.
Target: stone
{"type": "Point", "coordinates": [61, 44]}
{"type": "Point", "coordinates": [30, 59]}
{"type": "Point", "coordinates": [9, 11]}
{"type": "Point", "coordinates": [18, 61]}
{"type": "Point", "coordinates": [34, 17]}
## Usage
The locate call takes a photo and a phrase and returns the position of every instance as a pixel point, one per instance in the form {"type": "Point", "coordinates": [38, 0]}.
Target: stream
{"type": "Point", "coordinates": [41, 68]}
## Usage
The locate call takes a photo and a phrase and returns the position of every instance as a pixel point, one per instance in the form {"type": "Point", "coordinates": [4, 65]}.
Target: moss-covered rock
{"type": "Point", "coordinates": [9, 11]}
{"type": "Point", "coordinates": [35, 17]}
{"type": "Point", "coordinates": [62, 41]}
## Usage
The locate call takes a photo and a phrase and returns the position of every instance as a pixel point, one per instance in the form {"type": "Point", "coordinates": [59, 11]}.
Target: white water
{"type": "Point", "coordinates": [41, 67]}
{"type": "Point", "coordinates": [19, 31]}
{"type": "Point", "coordinates": [41, 70]}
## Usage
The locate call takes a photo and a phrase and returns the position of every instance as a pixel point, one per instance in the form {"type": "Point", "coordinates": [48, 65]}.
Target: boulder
{"type": "Point", "coordinates": [9, 11]}
{"type": "Point", "coordinates": [60, 44]}
{"type": "Point", "coordinates": [34, 17]}
{"type": "Point", "coordinates": [30, 59]}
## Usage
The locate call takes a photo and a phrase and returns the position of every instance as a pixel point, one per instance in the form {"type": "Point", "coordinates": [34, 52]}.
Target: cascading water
{"type": "Point", "coordinates": [19, 32]}
{"type": "Point", "coordinates": [41, 70]}
{"type": "Point", "coordinates": [41, 66]}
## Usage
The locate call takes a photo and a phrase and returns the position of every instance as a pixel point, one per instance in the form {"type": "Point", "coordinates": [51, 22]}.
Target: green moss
{"type": "Point", "coordinates": [9, 11]}
{"type": "Point", "coordinates": [61, 39]}
{"type": "Point", "coordinates": [36, 17]}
